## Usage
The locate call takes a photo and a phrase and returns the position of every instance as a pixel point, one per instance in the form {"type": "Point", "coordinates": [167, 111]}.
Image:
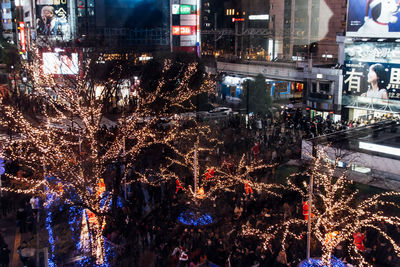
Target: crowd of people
{"type": "Point", "coordinates": [159, 240]}
{"type": "Point", "coordinates": [146, 232]}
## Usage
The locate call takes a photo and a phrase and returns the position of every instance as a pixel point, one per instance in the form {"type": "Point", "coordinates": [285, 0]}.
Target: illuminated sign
{"type": "Point", "coordinates": [185, 9]}
{"type": "Point", "coordinates": [189, 20]}
{"type": "Point", "coordinates": [60, 63]}
{"type": "Point", "coordinates": [237, 19]}
{"type": "Point", "coordinates": [379, 148]}
{"type": "Point", "coordinates": [53, 19]}
{"type": "Point", "coordinates": [377, 18]}
{"type": "Point", "coordinates": [259, 17]}
{"type": "Point", "coordinates": [22, 36]}
{"type": "Point", "coordinates": [175, 9]}
{"type": "Point", "coordinates": [183, 30]}
{"type": "Point", "coordinates": [188, 2]}
{"type": "Point", "coordinates": [186, 27]}
{"type": "Point", "coordinates": [371, 76]}
{"type": "Point", "coordinates": [189, 40]}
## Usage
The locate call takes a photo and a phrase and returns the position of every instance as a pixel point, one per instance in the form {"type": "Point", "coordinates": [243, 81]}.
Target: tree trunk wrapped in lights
{"type": "Point", "coordinates": [338, 215]}
{"type": "Point", "coordinates": [66, 138]}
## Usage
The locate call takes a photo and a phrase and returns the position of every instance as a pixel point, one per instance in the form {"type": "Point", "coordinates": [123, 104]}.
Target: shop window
{"type": "Point", "coordinates": [325, 88]}
{"type": "Point", "coordinates": [314, 87]}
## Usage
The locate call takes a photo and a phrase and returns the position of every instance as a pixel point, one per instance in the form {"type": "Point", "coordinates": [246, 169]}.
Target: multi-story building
{"type": "Point", "coordinates": [127, 23]}
{"type": "Point", "coordinates": [91, 22]}
{"type": "Point", "coordinates": [307, 28]}
{"type": "Point", "coordinates": [7, 24]}
{"type": "Point", "coordinates": [236, 27]}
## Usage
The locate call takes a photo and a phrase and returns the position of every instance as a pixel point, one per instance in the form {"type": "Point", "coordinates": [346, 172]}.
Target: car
{"type": "Point", "coordinates": [224, 110]}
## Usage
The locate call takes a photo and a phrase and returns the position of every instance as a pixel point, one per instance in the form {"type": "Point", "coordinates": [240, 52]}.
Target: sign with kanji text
{"type": "Point", "coordinates": [371, 75]}
{"type": "Point", "coordinates": [183, 30]}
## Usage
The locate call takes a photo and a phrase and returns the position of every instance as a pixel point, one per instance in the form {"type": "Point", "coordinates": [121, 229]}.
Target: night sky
{"type": "Point", "coordinates": [136, 14]}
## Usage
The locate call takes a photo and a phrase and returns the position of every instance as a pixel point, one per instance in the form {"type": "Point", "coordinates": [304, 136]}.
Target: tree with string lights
{"type": "Point", "coordinates": [338, 215]}
{"type": "Point", "coordinates": [200, 177]}
{"type": "Point", "coordinates": [67, 149]}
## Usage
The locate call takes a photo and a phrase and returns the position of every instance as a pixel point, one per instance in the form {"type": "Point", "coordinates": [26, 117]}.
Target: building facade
{"type": "Point", "coordinates": [90, 22]}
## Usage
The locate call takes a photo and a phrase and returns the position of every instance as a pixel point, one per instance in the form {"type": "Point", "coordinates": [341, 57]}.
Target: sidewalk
{"type": "Point", "coordinates": [13, 238]}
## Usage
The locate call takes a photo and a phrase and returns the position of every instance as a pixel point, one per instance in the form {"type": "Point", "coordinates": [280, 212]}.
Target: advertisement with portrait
{"type": "Point", "coordinates": [371, 76]}
{"type": "Point", "coordinates": [53, 19]}
{"type": "Point", "coordinates": [373, 18]}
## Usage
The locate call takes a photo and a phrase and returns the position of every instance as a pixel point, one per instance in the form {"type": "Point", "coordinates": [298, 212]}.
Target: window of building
{"type": "Point", "coordinates": [90, 11]}
{"type": "Point", "coordinates": [325, 88]}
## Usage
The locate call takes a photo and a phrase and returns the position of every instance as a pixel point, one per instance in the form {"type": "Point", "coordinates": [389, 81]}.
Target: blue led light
{"type": "Point", "coordinates": [50, 199]}
{"type": "Point", "coordinates": [119, 201]}
{"type": "Point", "coordinates": [74, 221]}
{"type": "Point", "coordinates": [189, 217]}
{"type": "Point", "coordinates": [335, 262]}
{"type": "Point", "coordinates": [2, 167]}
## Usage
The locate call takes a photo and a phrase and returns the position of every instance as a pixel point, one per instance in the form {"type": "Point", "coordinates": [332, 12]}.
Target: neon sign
{"type": "Point", "coordinates": [183, 30]}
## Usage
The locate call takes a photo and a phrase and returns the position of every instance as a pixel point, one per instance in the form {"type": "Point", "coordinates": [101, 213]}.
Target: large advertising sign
{"type": "Point", "coordinates": [183, 30]}
{"type": "Point", "coordinates": [372, 76]}
{"type": "Point", "coordinates": [373, 18]}
{"type": "Point", "coordinates": [188, 40]}
{"type": "Point", "coordinates": [186, 27]}
{"type": "Point", "coordinates": [60, 63]}
{"type": "Point", "coordinates": [52, 19]}
{"type": "Point", "coordinates": [22, 36]}
{"type": "Point", "coordinates": [183, 9]}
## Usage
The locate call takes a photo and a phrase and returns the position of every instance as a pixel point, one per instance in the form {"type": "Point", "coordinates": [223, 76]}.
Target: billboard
{"type": "Point", "coordinates": [183, 9]}
{"type": "Point", "coordinates": [183, 30]}
{"type": "Point", "coordinates": [188, 20]}
{"type": "Point", "coordinates": [22, 36]}
{"type": "Point", "coordinates": [63, 64]}
{"type": "Point", "coordinates": [188, 40]}
{"type": "Point", "coordinates": [373, 18]}
{"type": "Point", "coordinates": [372, 76]}
{"type": "Point", "coordinates": [186, 25]}
{"type": "Point", "coordinates": [52, 19]}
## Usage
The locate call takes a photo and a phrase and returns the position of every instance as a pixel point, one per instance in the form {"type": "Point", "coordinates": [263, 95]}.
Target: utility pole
{"type": "Point", "coordinates": [247, 103]}
{"type": "Point", "coordinates": [236, 37]}
{"type": "Point", "coordinates": [170, 26]}
{"type": "Point", "coordinates": [309, 217]}
{"type": "Point", "coordinates": [215, 31]}
{"type": "Point", "coordinates": [241, 44]}
{"type": "Point", "coordinates": [195, 162]}
{"type": "Point", "coordinates": [311, 186]}
{"type": "Point", "coordinates": [123, 155]}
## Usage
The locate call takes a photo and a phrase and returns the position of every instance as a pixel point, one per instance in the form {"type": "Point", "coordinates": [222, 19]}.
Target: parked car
{"type": "Point", "coordinates": [224, 110]}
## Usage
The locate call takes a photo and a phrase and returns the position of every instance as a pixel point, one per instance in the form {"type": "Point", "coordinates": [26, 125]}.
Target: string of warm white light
{"type": "Point", "coordinates": [338, 214]}
{"type": "Point", "coordinates": [78, 158]}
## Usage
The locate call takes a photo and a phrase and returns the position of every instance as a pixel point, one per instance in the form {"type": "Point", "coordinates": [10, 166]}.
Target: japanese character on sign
{"type": "Point", "coordinates": [354, 80]}
{"type": "Point", "coordinates": [394, 78]}
{"type": "Point", "coordinates": [61, 13]}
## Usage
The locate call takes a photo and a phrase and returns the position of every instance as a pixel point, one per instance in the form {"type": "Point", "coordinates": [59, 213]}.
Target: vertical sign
{"type": "Point", "coordinates": [22, 36]}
